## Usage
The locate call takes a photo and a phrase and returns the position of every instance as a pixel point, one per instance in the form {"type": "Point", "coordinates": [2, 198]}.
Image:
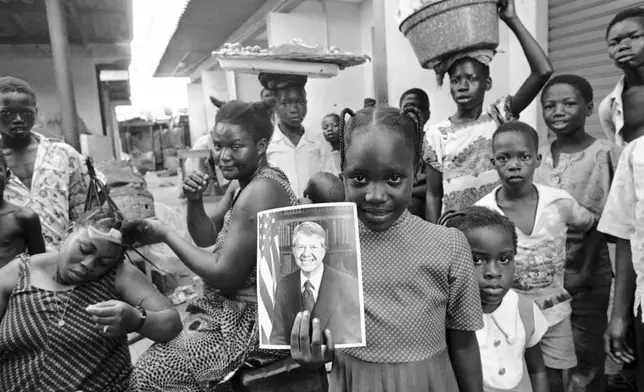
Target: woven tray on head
{"type": "Point", "coordinates": [341, 60]}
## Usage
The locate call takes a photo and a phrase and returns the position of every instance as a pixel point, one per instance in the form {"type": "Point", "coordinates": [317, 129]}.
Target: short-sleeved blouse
{"type": "Point", "coordinates": [418, 280]}
{"type": "Point", "coordinates": [462, 154]}
{"type": "Point", "coordinates": [587, 175]}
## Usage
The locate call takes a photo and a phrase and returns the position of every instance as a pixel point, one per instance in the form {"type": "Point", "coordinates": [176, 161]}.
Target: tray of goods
{"type": "Point", "coordinates": [292, 58]}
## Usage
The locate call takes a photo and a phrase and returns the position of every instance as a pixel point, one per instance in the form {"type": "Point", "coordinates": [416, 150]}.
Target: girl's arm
{"type": "Point", "coordinates": [433, 195]}
{"type": "Point", "coordinates": [592, 242]}
{"type": "Point", "coordinates": [581, 219]}
{"type": "Point", "coordinates": [540, 66]}
{"type": "Point", "coordinates": [30, 223]}
{"type": "Point", "coordinates": [162, 319]}
{"type": "Point", "coordinates": [466, 360]}
{"type": "Point", "coordinates": [616, 342]}
{"type": "Point", "coordinates": [536, 369]}
{"type": "Point", "coordinates": [228, 269]}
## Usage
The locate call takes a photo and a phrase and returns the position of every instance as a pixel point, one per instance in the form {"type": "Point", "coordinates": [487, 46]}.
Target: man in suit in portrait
{"type": "Point", "coordinates": [330, 295]}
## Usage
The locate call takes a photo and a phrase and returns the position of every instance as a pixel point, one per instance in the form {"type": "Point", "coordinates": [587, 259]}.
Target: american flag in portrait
{"type": "Point", "coordinates": [268, 254]}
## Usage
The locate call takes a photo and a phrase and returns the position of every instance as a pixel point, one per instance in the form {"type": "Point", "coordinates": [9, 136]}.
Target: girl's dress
{"type": "Point", "coordinates": [219, 337]}
{"type": "Point", "coordinates": [517, 324]}
{"type": "Point", "coordinates": [37, 354]}
{"type": "Point", "coordinates": [418, 281]}
{"type": "Point", "coordinates": [462, 152]}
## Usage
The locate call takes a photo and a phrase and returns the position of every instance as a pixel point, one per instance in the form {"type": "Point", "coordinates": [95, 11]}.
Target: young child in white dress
{"type": "Point", "coordinates": [509, 342]}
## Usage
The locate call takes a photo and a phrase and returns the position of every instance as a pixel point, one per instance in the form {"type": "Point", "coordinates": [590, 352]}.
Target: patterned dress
{"type": "Point", "coordinates": [36, 354]}
{"type": "Point", "coordinates": [418, 281]}
{"type": "Point", "coordinates": [220, 335]}
{"type": "Point", "coordinates": [462, 152]}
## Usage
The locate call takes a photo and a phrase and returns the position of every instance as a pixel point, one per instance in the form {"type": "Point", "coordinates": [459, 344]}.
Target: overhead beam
{"type": "Point", "coordinates": [74, 16]}
{"type": "Point", "coordinates": [249, 30]}
{"type": "Point", "coordinates": [63, 71]}
{"type": "Point", "coordinates": [380, 53]}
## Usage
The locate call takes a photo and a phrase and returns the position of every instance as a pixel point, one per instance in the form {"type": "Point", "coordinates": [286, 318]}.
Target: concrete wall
{"type": "Point", "coordinates": [366, 44]}
{"type": "Point", "coordinates": [34, 64]}
{"type": "Point", "coordinates": [248, 87]}
{"type": "Point", "coordinates": [213, 83]}
{"type": "Point", "coordinates": [196, 111]}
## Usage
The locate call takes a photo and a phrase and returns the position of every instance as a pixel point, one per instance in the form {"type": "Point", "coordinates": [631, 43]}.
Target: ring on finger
{"type": "Point", "coordinates": [105, 329]}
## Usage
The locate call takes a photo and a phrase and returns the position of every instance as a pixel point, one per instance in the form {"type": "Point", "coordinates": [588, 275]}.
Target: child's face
{"type": "Point", "coordinates": [291, 106]}
{"type": "Point", "coordinates": [493, 254]}
{"type": "Point", "coordinates": [378, 175]}
{"type": "Point", "coordinates": [17, 115]}
{"type": "Point", "coordinates": [331, 129]}
{"type": "Point", "coordinates": [468, 84]}
{"type": "Point", "coordinates": [626, 43]}
{"type": "Point", "coordinates": [564, 109]}
{"type": "Point", "coordinates": [412, 100]}
{"type": "Point", "coordinates": [515, 159]}
{"type": "Point", "coordinates": [267, 95]}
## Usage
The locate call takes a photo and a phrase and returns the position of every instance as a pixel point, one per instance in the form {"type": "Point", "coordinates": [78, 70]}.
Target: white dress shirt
{"type": "Point", "coordinates": [611, 114]}
{"type": "Point", "coordinates": [315, 279]}
{"type": "Point", "coordinates": [312, 154]}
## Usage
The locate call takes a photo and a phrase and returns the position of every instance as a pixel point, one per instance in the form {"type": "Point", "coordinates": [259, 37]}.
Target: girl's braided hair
{"type": "Point", "coordinates": [408, 120]}
{"type": "Point", "coordinates": [475, 217]}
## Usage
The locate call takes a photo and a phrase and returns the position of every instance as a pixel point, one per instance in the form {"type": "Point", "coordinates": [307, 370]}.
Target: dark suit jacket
{"type": "Point", "coordinates": [337, 307]}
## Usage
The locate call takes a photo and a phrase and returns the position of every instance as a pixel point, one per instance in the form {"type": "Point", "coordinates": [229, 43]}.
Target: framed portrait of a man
{"type": "Point", "coordinates": [309, 259]}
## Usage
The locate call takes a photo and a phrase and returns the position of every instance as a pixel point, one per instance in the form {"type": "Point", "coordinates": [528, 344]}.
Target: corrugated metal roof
{"type": "Point", "coordinates": [204, 26]}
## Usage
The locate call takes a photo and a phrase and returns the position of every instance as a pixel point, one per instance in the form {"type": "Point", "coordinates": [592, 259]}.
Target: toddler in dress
{"type": "Point", "coordinates": [509, 342]}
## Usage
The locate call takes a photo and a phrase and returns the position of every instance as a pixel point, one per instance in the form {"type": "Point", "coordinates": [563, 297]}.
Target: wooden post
{"type": "Point", "coordinates": [381, 87]}
{"type": "Point", "coordinates": [57, 22]}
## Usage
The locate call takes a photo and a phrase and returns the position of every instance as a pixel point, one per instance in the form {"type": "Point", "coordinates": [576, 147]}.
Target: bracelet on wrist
{"type": "Point", "coordinates": [142, 318]}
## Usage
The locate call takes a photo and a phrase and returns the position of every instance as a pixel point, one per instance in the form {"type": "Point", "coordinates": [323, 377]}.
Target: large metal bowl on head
{"type": "Point", "coordinates": [447, 26]}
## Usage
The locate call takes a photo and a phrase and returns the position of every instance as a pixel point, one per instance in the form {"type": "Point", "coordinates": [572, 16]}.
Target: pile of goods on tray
{"type": "Point", "coordinates": [295, 57]}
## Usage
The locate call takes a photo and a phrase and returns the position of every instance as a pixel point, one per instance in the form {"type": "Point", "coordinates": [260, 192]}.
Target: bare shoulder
{"type": "Point", "coordinates": [262, 194]}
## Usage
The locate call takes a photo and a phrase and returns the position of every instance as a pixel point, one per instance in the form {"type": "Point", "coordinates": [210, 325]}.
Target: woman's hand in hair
{"type": "Point", "coordinates": [144, 232]}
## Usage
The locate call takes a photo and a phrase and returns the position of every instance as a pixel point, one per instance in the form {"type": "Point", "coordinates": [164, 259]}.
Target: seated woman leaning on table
{"type": "Point", "coordinates": [221, 332]}
{"type": "Point", "coordinates": [64, 316]}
